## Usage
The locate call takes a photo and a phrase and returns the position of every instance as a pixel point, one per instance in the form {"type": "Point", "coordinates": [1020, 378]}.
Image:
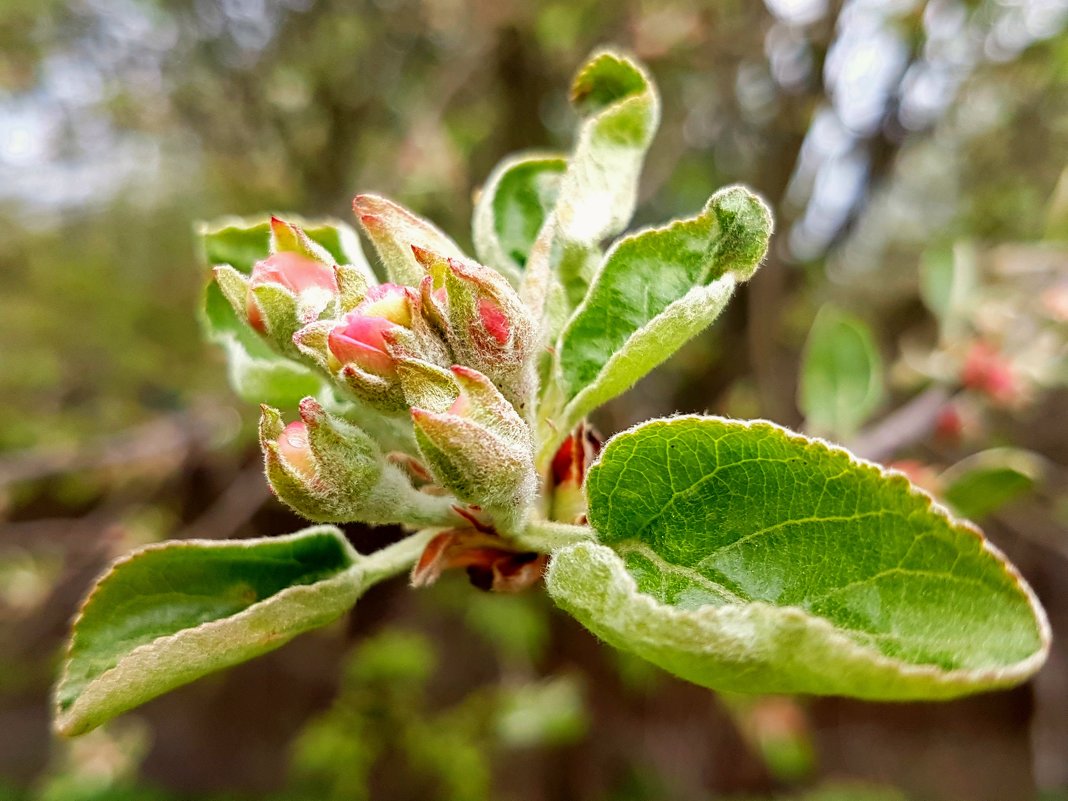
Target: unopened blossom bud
{"type": "Point", "coordinates": [364, 336]}
{"type": "Point", "coordinates": [569, 467]}
{"type": "Point", "coordinates": [478, 447]}
{"type": "Point", "coordinates": [362, 349]}
{"type": "Point", "coordinates": [485, 322]}
{"type": "Point", "coordinates": [295, 449]}
{"type": "Point", "coordinates": [329, 470]}
{"type": "Point", "coordinates": [310, 284]}
{"type": "Point", "coordinates": [989, 372]}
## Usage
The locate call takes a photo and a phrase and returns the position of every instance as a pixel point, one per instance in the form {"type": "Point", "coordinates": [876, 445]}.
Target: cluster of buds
{"type": "Point", "coordinates": [444, 354]}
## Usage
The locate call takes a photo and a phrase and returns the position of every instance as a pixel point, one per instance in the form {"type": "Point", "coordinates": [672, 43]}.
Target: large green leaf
{"type": "Point", "coordinates": [742, 556]}
{"type": "Point", "coordinates": [841, 374]}
{"type": "Point", "coordinates": [512, 208]}
{"type": "Point", "coordinates": [171, 613]}
{"type": "Point", "coordinates": [657, 289]}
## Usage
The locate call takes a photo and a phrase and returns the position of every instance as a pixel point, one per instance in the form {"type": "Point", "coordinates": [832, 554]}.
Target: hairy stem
{"type": "Point", "coordinates": [548, 535]}
{"type": "Point", "coordinates": [393, 559]}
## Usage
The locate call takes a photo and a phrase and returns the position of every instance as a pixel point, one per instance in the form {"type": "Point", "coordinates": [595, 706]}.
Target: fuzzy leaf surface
{"type": "Point", "coordinates": [742, 556]}
{"type": "Point", "coordinates": [518, 197]}
{"type": "Point", "coordinates": [657, 289]}
{"type": "Point", "coordinates": [171, 613]}
{"type": "Point", "coordinates": [841, 374]}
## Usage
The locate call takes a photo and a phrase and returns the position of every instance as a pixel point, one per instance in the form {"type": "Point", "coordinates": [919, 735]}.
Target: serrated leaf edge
{"type": "Point", "coordinates": [68, 723]}
{"type": "Point", "coordinates": [965, 678]}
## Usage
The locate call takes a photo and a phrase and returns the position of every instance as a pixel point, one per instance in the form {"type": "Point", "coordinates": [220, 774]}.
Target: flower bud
{"type": "Point", "coordinates": [569, 467]}
{"type": "Point", "coordinates": [361, 338]}
{"type": "Point", "coordinates": [300, 290]}
{"type": "Point", "coordinates": [989, 372]}
{"type": "Point", "coordinates": [478, 447]}
{"type": "Point", "coordinates": [362, 350]}
{"type": "Point", "coordinates": [332, 471]}
{"type": "Point", "coordinates": [484, 321]}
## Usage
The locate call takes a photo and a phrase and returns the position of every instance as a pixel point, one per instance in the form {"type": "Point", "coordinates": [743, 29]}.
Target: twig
{"type": "Point", "coordinates": [909, 424]}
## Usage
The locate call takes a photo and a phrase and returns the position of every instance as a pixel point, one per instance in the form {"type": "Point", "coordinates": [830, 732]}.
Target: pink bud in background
{"type": "Point", "coordinates": [292, 271]}
{"type": "Point", "coordinates": [361, 338]}
{"type": "Point", "coordinates": [988, 371]}
{"type": "Point", "coordinates": [295, 448]}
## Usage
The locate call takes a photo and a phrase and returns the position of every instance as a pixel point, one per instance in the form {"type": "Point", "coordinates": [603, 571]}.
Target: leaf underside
{"type": "Point", "coordinates": [745, 557]}
{"type": "Point", "coordinates": [171, 613]}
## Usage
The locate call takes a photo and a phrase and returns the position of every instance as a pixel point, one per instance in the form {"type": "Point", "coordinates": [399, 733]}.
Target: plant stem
{"type": "Point", "coordinates": [393, 559]}
{"type": "Point", "coordinates": [548, 535]}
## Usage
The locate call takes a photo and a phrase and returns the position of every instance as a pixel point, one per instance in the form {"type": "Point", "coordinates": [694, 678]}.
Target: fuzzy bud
{"type": "Point", "coordinates": [484, 321]}
{"type": "Point", "coordinates": [329, 470]}
{"type": "Point", "coordinates": [287, 291]}
{"type": "Point", "coordinates": [569, 467]}
{"type": "Point", "coordinates": [477, 447]}
{"type": "Point", "coordinates": [362, 349]}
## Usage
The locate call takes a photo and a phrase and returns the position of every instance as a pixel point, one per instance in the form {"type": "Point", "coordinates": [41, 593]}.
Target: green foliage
{"type": "Point", "coordinates": [743, 557]}
{"type": "Point", "coordinates": [738, 556]}
{"type": "Point", "coordinates": [171, 613]}
{"type": "Point", "coordinates": [984, 482]}
{"type": "Point", "coordinates": [841, 374]}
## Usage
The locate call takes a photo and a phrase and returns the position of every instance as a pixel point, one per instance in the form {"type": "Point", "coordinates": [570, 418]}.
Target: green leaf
{"type": "Point", "coordinates": [512, 208]}
{"type": "Point", "coordinates": [620, 111]}
{"type": "Point", "coordinates": [841, 374]}
{"type": "Point", "coordinates": [948, 278]}
{"type": "Point", "coordinates": [742, 556]}
{"type": "Point", "coordinates": [173, 612]}
{"type": "Point", "coordinates": [657, 289]}
{"type": "Point", "coordinates": [984, 482]}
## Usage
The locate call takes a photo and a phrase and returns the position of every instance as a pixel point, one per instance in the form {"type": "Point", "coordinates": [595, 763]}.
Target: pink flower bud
{"type": "Point", "coordinates": [362, 338]}
{"type": "Point", "coordinates": [988, 371]}
{"type": "Point", "coordinates": [295, 448]}
{"type": "Point", "coordinates": [292, 271]}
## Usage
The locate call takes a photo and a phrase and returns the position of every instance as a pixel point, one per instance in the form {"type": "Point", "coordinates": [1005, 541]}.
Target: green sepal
{"type": "Point", "coordinates": [393, 230]}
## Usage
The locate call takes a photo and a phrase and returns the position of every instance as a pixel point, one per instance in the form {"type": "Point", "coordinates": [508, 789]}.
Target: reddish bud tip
{"type": "Point", "coordinates": [494, 320]}
{"type": "Point", "coordinates": [363, 337]}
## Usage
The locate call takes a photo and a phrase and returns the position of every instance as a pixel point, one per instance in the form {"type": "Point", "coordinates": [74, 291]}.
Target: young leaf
{"type": "Point", "coordinates": [173, 612]}
{"type": "Point", "coordinates": [841, 374]}
{"type": "Point", "coordinates": [984, 482]}
{"type": "Point", "coordinates": [512, 208]}
{"type": "Point", "coordinates": [657, 289]}
{"type": "Point", "coordinates": [741, 556]}
{"type": "Point", "coordinates": [620, 111]}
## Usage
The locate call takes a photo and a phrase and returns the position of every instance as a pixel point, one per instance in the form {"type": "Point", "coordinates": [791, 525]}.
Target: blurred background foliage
{"type": "Point", "coordinates": [914, 153]}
